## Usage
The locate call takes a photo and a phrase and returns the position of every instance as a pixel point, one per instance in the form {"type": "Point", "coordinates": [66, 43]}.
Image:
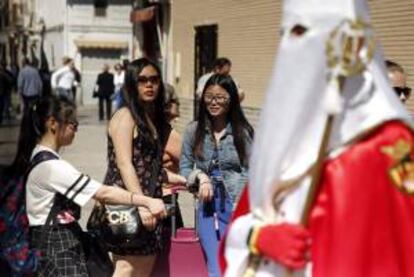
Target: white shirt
{"type": "Point", "coordinates": [63, 78]}
{"type": "Point", "coordinates": [119, 80]}
{"type": "Point", "coordinates": [50, 177]}
{"type": "Point", "coordinates": [201, 83]}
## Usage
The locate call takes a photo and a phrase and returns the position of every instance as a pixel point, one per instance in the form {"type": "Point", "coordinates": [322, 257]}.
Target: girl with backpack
{"type": "Point", "coordinates": [49, 125]}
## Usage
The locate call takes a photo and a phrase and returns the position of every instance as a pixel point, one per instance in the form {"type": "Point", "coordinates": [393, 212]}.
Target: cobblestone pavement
{"type": "Point", "coordinates": [87, 153]}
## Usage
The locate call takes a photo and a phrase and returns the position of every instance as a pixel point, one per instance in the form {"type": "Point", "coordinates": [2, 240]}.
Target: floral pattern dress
{"type": "Point", "coordinates": [147, 161]}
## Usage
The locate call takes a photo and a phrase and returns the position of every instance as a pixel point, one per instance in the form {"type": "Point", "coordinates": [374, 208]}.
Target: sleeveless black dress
{"type": "Point", "coordinates": [147, 161]}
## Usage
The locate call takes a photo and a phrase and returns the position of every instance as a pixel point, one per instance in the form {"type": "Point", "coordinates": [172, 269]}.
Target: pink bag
{"type": "Point", "coordinates": [185, 256]}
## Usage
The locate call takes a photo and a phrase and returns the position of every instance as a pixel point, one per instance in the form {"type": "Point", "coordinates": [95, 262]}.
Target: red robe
{"type": "Point", "coordinates": [362, 222]}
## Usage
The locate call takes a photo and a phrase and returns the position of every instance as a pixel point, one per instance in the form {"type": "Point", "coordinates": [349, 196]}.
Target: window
{"type": "Point", "coordinates": [100, 7]}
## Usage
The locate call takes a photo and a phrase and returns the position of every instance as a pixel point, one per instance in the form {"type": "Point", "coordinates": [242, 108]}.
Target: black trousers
{"type": "Point", "coordinates": [28, 102]}
{"type": "Point", "coordinates": [2, 105]}
{"type": "Point", "coordinates": [108, 104]}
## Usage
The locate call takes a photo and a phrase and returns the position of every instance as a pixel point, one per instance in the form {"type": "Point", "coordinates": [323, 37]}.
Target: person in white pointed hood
{"type": "Point", "coordinates": [330, 122]}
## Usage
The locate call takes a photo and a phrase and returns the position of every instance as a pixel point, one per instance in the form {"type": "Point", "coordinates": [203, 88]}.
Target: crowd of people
{"type": "Point", "coordinates": [30, 83]}
{"type": "Point", "coordinates": [145, 157]}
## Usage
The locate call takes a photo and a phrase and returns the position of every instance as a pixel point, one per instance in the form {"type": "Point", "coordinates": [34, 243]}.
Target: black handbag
{"type": "Point", "coordinates": [98, 262]}
{"type": "Point", "coordinates": [120, 226]}
{"type": "Point", "coordinates": [117, 226]}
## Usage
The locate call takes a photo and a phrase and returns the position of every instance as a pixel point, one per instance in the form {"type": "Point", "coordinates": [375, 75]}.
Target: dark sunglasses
{"type": "Point", "coordinates": [155, 79]}
{"type": "Point", "coordinates": [406, 91]}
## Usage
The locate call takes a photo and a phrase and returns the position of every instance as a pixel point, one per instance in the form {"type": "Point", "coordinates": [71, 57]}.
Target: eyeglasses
{"type": "Point", "coordinates": [154, 80]}
{"type": "Point", "coordinates": [219, 99]}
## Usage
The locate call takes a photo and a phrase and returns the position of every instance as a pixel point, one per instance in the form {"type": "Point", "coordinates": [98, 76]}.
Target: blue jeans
{"type": "Point", "coordinates": [118, 99]}
{"type": "Point", "coordinates": [219, 210]}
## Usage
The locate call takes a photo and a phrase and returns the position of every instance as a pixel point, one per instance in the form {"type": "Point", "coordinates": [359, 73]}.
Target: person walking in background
{"type": "Point", "coordinates": [29, 84]}
{"type": "Point", "coordinates": [398, 80]}
{"type": "Point", "coordinates": [137, 134]}
{"type": "Point", "coordinates": [8, 108]}
{"type": "Point", "coordinates": [170, 162]}
{"type": "Point", "coordinates": [218, 146]}
{"type": "Point", "coordinates": [220, 66]}
{"type": "Point", "coordinates": [76, 83]}
{"type": "Point", "coordinates": [55, 184]}
{"type": "Point", "coordinates": [119, 77]}
{"type": "Point", "coordinates": [172, 150]}
{"type": "Point", "coordinates": [14, 71]}
{"type": "Point", "coordinates": [63, 79]}
{"type": "Point", "coordinates": [6, 83]}
{"type": "Point", "coordinates": [105, 88]}
{"type": "Point", "coordinates": [172, 103]}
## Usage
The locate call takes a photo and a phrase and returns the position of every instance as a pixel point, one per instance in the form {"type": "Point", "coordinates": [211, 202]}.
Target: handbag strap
{"type": "Point", "coordinates": [57, 206]}
{"type": "Point", "coordinates": [44, 156]}
{"type": "Point", "coordinates": [41, 156]}
{"type": "Point", "coordinates": [52, 214]}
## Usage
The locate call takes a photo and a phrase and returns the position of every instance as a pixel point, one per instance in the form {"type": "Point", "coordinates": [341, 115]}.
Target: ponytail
{"type": "Point", "coordinates": [33, 127]}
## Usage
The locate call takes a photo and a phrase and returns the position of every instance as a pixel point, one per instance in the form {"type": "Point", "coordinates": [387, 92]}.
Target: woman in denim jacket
{"type": "Point", "coordinates": [216, 148]}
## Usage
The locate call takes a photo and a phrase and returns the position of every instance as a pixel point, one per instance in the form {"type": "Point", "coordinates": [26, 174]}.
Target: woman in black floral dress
{"type": "Point", "coordinates": [136, 135]}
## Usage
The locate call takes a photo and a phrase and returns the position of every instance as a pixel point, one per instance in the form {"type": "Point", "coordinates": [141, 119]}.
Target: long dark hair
{"type": "Point", "coordinates": [235, 116]}
{"type": "Point", "coordinates": [135, 106]}
{"type": "Point", "coordinates": [33, 127]}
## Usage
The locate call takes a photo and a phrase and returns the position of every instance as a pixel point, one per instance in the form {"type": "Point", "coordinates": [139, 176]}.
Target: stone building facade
{"type": "Point", "coordinates": [93, 32]}
{"type": "Point", "coordinates": [247, 32]}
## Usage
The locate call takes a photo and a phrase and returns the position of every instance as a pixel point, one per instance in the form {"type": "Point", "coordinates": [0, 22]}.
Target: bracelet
{"type": "Point", "coordinates": [252, 240]}
{"type": "Point", "coordinates": [132, 198]}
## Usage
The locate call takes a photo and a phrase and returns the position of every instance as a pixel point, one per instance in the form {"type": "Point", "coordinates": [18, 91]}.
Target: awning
{"type": "Point", "coordinates": [142, 15]}
{"type": "Point", "coordinates": [103, 44]}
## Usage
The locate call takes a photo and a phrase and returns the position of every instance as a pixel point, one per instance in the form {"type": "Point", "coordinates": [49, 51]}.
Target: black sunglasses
{"type": "Point", "coordinates": [406, 91]}
{"type": "Point", "coordinates": [155, 79]}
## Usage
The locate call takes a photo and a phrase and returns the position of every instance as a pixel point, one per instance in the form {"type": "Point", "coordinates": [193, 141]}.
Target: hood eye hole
{"type": "Point", "coordinates": [298, 30]}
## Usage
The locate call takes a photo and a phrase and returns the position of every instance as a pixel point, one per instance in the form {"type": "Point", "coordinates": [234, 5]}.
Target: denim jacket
{"type": "Point", "coordinates": [234, 174]}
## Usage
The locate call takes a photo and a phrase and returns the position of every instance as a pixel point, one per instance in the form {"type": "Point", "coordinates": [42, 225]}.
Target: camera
{"type": "Point", "coordinates": [193, 182]}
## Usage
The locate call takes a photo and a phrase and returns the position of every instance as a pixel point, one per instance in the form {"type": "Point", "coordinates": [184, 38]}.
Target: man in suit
{"type": "Point", "coordinates": [105, 88]}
